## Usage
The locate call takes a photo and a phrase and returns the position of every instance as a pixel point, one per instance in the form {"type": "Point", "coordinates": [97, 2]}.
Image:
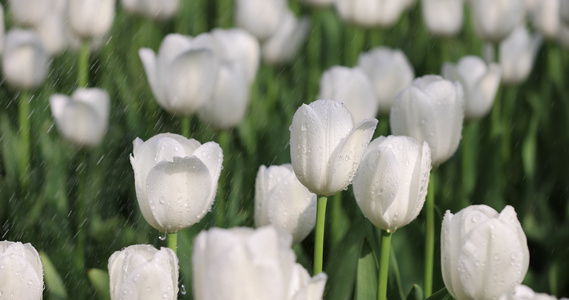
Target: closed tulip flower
{"type": "Point", "coordinates": [154, 9]}
{"type": "Point", "coordinates": [351, 87]}
{"type": "Point", "coordinates": [484, 254]}
{"type": "Point", "coordinates": [283, 202]}
{"type": "Point", "coordinates": [285, 42]}
{"type": "Point", "coordinates": [91, 18]}
{"type": "Point", "coordinates": [82, 118]}
{"type": "Point", "coordinates": [326, 146]}
{"type": "Point", "coordinates": [546, 18]}
{"type": "Point", "coordinates": [443, 17]}
{"type": "Point", "coordinates": [21, 271]}
{"type": "Point", "coordinates": [238, 46]}
{"type": "Point", "coordinates": [431, 110]}
{"type": "Point", "coordinates": [517, 54]}
{"type": "Point", "coordinates": [391, 183]}
{"type": "Point", "coordinates": [389, 71]}
{"type": "Point", "coordinates": [523, 292]}
{"type": "Point", "coordinates": [143, 272]}
{"type": "Point", "coordinates": [25, 62]}
{"type": "Point", "coordinates": [370, 13]}
{"type": "Point", "coordinates": [52, 29]}
{"type": "Point", "coordinates": [182, 76]}
{"type": "Point", "coordinates": [29, 12]}
{"type": "Point", "coordinates": [260, 17]}
{"type": "Point", "coordinates": [496, 19]}
{"type": "Point", "coordinates": [479, 81]}
{"type": "Point", "coordinates": [176, 179]}
{"type": "Point", "coordinates": [221, 257]}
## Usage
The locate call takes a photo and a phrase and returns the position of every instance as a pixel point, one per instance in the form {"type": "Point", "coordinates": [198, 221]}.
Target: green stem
{"type": "Point", "coordinates": [83, 79]}
{"type": "Point", "coordinates": [384, 264]}
{"type": "Point", "coordinates": [24, 120]}
{"type": "Point", "coordinates": [224, 141]}
{"type": "Point", "coordinates": [173, 242]}
{"type": "Point", "coordinates": [185, 127]}
{"type": "Point", "coordinates": [319, 240]}
{"type": "Point", "coordinates": [81, 207]}
{"type": "Point", "coordinates": [430, 236]}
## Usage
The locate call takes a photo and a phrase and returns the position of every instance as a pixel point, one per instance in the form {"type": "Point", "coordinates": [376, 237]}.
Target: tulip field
{"type": "Point", "coordinates": [169, 126]}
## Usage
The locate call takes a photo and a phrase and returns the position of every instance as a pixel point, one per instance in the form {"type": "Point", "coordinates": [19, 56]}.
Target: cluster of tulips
{"type": "Point", "coordinates": [484, 253]}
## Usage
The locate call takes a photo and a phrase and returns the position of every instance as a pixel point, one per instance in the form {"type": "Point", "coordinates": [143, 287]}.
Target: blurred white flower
{"type": "Point", "coordinates": [546, 18]}
{"type": "Point", "coordinates": [25, 61]}
{"type": "Point", "coordinates": [479, 82]}
{"type": "Point", "coordinates": [517, 53]}
{"type": "Point", "coordinates": [154, 9]}
{"type": "Point", "coordinates": [431, 109]}
{"type": "Point", "coordinates": [243, 263]}
{"type": "Point", "coordinates": [82, 118]}
{"type": "Point", "coordinates": [260, 17]}
{"type": "Point", "coordinates": [496, 19]}
{"type": "Point", "coordinates": [52, 29]}
{"type": "Point", "coordinates": [326, 146]}
{"type": "Point", "coordinates": [389, 72]}
{"type": "Point", "coordinates": [91, 18]}
{"type": "Point", "coordinates": [483, 254]}
{"type": "Point", "coordinates": [522, 292]}
{"type": "Point", "coordinates": [443, 17]}
{"type": "Point", "coordinates": [175, 179]}
{"type": "Point", "coordinates": [285, 42]}
{"type": "Point", "coordinates": [29, 12]}
{"type": "Point", "coordinates": [370, 13]}
{"type": "Point", "coordinates": [282, 201]}
{"type": "Point", "coordinates": [564, 10]}
{"type": "Point", "coordinates": [21, 271]}
{"type": "Point", "coordinates": [391, 183]}
{"type": "Point", "coordinates": [143, 272]}
{"type": "Point", "coordinates": [238, 45]}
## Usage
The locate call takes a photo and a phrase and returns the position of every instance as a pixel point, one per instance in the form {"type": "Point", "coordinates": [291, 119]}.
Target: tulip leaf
{"type": "Point", "coordinates": [441, 294]}
{"type": "Point", "coordinates": [366, 280]}
{"type": "Point", "coordinates": [54, 284]}
{"type": "Point", "coordinates": [100, 281]}
{"type": "Point", "coordinates": [529, 148]}
{"type": "Point", "coordinates": [10, 148]}
{"type": "Point", "coordinates": [416, 293]}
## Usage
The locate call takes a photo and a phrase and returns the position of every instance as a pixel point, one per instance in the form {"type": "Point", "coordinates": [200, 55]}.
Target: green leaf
{"type": "Point", "coordinates": [416, 293]}
{"type": "Point", "coordinates": [366, 280]}
{"type": "Point", "coordinates": [100, 280]}
{"type": "Point", "coordinates": [442, 294]}
{"type": "Point", "coordinates": [54, 284]}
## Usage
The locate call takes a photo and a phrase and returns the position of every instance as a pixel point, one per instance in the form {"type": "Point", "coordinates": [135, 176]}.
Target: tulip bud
{"type": "Point", "coordinates": [483, 254]}
{"type": "Point", "coordinates": [176, 179]}
{"type": "Point", "coordinates": [496, 19]}
{"type": "Point", "coordinates": [517, 54]}
{"type": "Point", "coordinates": [25, 62]}
{"type": "Point", "coordinates": [91, 18]}
{"type": "Point", "coordinates": [479, 83]}
{"type": "Point", "coordinates": [391, 183]}
{"type": "Point", "coordinates": [83, 117]}
{"type": "Point", "coordinates": [143, 272]}
{"type": "Point", "coordinates": [443, 17]}
{"type": "Point", "coordinates": [221, 257]}
{"type": "Point", "coordinates": [154, 9]}
{"type": "Point", "coordinates": [29, 12]}
{"type": "Point", "coordinates": [351, 87]}
{"type": "Point", "coordinates": [285, 42]}
{"type": "Point", "coordinates": [21, 271]}
{"type": "Point", "coordinates": [370, 13]}
{"type": "Point", "coordinates": [326, 146]}
{"type": "Point", "coordinates": [182, 76]}
{"type": "Point", "coordinates": [239, 46]}
{"type": "Point", "coordinates": [282, 201]}
{"type": "Point", "coordinates": [522, 292]}
{"type": "Point", "coordinates": [260, 17]}
{"type": "Point", "coordinates": [389, 72]}
{"type": "Point", "coordinates": [431, 110]}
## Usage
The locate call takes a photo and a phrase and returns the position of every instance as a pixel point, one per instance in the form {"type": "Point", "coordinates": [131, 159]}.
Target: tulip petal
{"type": "Point", "coordinates": [149, 281]}
{"type": "Point", "coordinates": [211, 155]}
{"type": "Point", "coordinates": [18, 278]}
{"type": "Point", "coordinates": [267, 179]}
{"type": "Point", "coordinates": [314, 290]}
{"type": "Point", "coordinates": [148, 59]}
{"type": "Point", "coordinates": [57, 103]}
{"type": "Point", "coordinates": [420, 181]}
{"type": "Point", "coordinates": [172, 46]}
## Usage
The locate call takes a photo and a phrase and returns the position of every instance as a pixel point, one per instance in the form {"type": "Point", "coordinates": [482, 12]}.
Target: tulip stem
{"type": "Point", "coordinates": [384, 264]}
{"type": "Point", "coordinates": [319, 240]}
{"type": "Point", "coordinates": [185, 127]}
{"type": "Point", "coordinates": [84, 65]}
{"type": "Point", "coordinates": [24, 120]}
{"type": "Point", "coordinates": [429, 236]}
{"type": "Point", "coordinates": [173, 242]}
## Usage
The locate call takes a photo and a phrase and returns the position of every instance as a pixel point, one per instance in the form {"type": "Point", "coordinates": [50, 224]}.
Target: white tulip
{"type": "Point", "coordinates": [283, 45]}
{"type": "Point", "coordinates": [483, 254]}
{"type": "Point", "coordinates": [351, 87]}
{"type": "Point", "coordinates": [25, 62]}
{"type": "Point", "coordinates": [391, 183]}
{"type": "Point", "coordinates": [91, 18]}
{"type": "Point", "coordinates": [282, 201]}
{"type": "Point", "coordinates": [83, 117]}
{"type": "Point", "coordinates": [496, 19]}
{"type": "Point", "coordinates": [443, 17]}
{"type": "Point", "coordinates": [175, 179]}
{"type": "Point", "coordinates": [182, 76]}
{"type": "Point", "coordinates": [142, 272]}
{"type": "Point", "coordinates": [326, 146]}
{"type": "Point", "coordinates": [239, 46]}
{"type": "Point", "coordinates": [29, 12]}
{"type": "Point", "coordinates": [242, 263]}
{"type": "Point", "coordinates": [52, 31]}
{"type": "Point", "coordinates": [431, 109]}
{"type": "Point", "coordinates": [564, 10]}
{"type": "Point", "coordinates": [154, 9]}
{"type": "Point", "coordinates": [389, 71]}
{"type": "Point", "coordinates": [260, 17]}
{"type": "Point", "coordinates": [522, 292]}
{"type": "Point", "coordinates": [546, 17]}
{"type": "Point", "coordinates": [517, 53]}
{"type": "Point", "coordinates": [21, 271]}
{"type": "Point", "coordinates": [370, 13]}
{"type": "Point", "coordinates": [479, 82]}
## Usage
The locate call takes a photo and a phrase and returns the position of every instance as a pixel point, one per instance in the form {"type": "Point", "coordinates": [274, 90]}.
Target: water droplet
{"type": "Point", "coordinates": [162, 236]}
{"type": "Point", "coordinates": [165, 295]}
{"type": "Point", "coordinates": [29, 282]}
{"type": "Point", "coordinates": [475, 219]}
{"type": "Point", "coordinates": [182, 289]}
{"type": "Point", "coordinates": [162, 200]}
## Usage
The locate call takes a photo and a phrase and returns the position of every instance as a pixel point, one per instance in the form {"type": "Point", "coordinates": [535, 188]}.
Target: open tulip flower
{"type": "Point", "coordinates": [83, 117]}
{"type": "Point", "coordinates": [91, 18]}
{"type": "Point", "coordinates": [496, 19]}
{"type": "Point", "coordinates": [479, 81]}
{"type": "Point", "coordinates": [282, 201]}
{"type": "Point", "coordinates": [21, 271]}
{"type": "Point", "coordinates": [443, 17]}
{"type": "Point", "coordinates": [243, 263]}
{"type": "Point", "coordinates": [176, 179]}
{"type": "Point", "coordinates": [484, 254]}
{"type": "Point", "coordinates": [143, 272]}
{"type": "Point", "coordinates": [154, 9]}
{"type": "Point", "coordinates": [285, 42]}
{"type": "Point", "coordinates": [517, 55]}
{"type": "Point", "coordinates": [326, 146]}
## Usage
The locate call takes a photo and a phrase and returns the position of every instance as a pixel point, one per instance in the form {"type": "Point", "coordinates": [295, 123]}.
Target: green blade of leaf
{"type": "Point", "coordinates": [416, 293]}
{"type": "Point", "coordinates": [366, 280]}
{"type": "Point", "coordinates": [100, 280]}
{"type": "Point", "coordinates": [441, 294]}
{"type": "Point", "coordinates": [54, 284]}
